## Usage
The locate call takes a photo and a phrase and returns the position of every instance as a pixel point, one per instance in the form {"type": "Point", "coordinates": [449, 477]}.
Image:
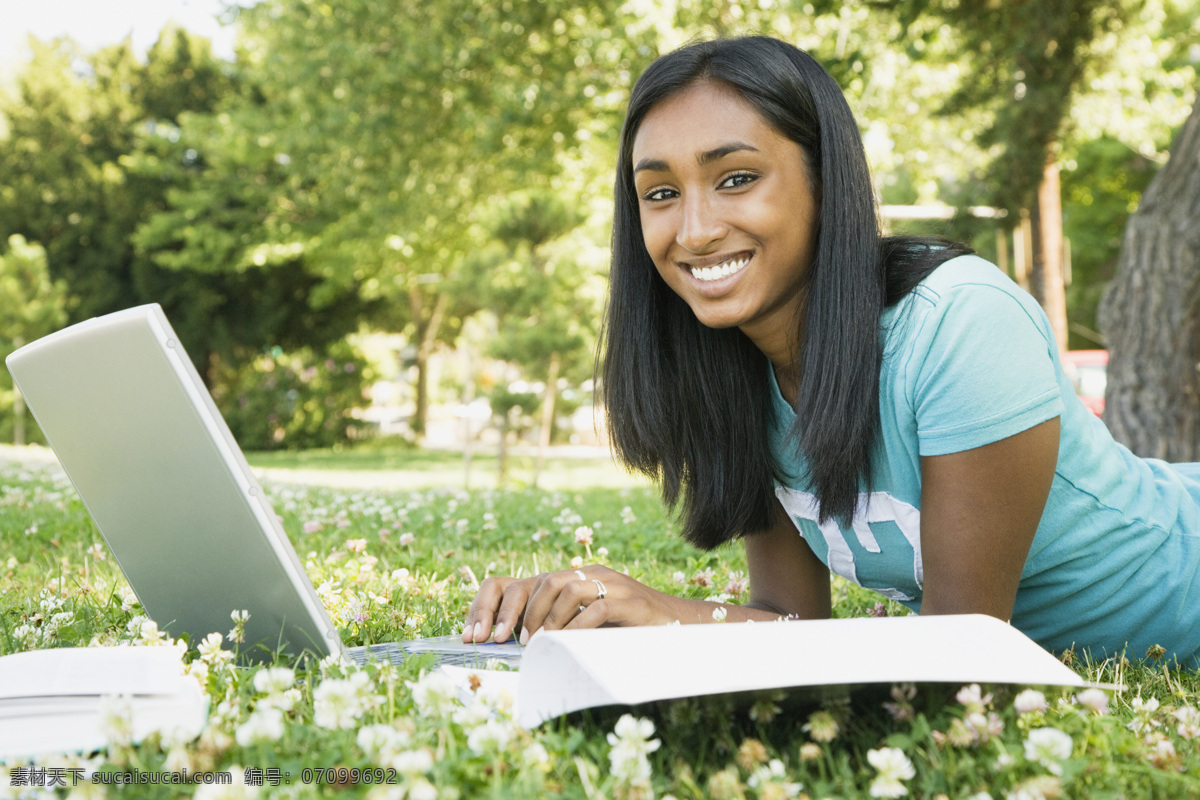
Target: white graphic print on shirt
{"type": "Point", "coordinates": [873, 507]}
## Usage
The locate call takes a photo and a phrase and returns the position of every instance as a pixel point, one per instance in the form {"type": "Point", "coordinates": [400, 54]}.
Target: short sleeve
{"type": "Point", "coordinates": [982, 364]}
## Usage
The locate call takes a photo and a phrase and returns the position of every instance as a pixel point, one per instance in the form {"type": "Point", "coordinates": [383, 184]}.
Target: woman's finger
{"type": "Point", "coordinates": [551, 588]}
{"type": "Point", "coordinates": [512, 608]}
{"type": "Point", "coordinates": [572, 600]}
{"type": "Point", "coordinates": [480, 616]}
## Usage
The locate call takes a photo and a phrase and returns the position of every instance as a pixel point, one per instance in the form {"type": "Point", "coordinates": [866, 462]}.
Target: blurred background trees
{"type": "Point", "coordinates": [407, 167]}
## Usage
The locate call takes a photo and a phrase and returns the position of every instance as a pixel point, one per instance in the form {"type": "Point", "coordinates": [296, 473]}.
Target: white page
{"type": "Point", "coordinates": [50, 699]}
{"type": "Point", "coordinates": [90, 670]}
{"type": "Point", "coordinates": [564, 671]}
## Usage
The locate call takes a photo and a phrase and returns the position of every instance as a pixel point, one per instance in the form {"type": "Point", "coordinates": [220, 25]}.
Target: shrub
{"type": "Point", "coordinates": [295, 400]}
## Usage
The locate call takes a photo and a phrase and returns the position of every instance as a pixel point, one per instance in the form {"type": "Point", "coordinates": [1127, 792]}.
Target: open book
{"type": "Point", "coordinates": [72, 698]}
{"type": "Point", "coordinates": [565, 671]}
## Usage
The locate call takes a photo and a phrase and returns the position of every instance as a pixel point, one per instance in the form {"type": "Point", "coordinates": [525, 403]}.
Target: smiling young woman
{"type": "Point", "coordinates": [728, 214]}
{"type": "Point", "coordinates": [889, 409]}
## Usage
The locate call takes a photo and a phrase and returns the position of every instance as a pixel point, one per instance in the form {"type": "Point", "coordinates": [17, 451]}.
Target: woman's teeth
{"type": "Point", "coordinates": [720, 271]}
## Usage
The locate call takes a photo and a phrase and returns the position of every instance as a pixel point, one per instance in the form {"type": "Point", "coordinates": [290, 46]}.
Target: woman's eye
{"type": "Point", "coordinates": [658, 195]}
{"type": "Point", "coordinates": [738, 179]}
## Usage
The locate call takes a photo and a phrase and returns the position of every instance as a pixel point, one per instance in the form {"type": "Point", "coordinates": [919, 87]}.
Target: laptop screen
{"type": "Point", "coordinates": [156, 466]}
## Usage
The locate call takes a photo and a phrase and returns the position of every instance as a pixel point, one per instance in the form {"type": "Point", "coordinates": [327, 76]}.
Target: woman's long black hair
{"type": "Point", "coordinates": [689, 405]}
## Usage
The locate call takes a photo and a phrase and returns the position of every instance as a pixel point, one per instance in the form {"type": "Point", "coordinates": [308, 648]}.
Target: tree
{"type": "Point", "coordinates": [31, 306]}
{"type": "Point", "coordinates": [1151, 313]}
{"type": "Point", "coordinates": [1027, 61]}
{"type": "Point", "coordinates": [543, 314]}
{"type": "Point", "coordinates": [400, 123]}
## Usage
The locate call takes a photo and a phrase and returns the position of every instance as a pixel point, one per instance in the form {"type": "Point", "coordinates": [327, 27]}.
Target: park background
{"type": "Point", "coordinates": [367, 219]}
{"type": "Point", "coordinates": [382, 226]}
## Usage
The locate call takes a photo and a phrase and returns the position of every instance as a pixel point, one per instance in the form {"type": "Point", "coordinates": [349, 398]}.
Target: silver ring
{"type": "Point", "coordinates": [600, 590]}
{"type": "Point", "coordinates": [582, 577]}
{"type": "Point", "coordinates": [581, 608]}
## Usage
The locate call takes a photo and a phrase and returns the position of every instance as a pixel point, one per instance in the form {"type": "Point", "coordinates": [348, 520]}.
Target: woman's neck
{"type": "Point", "coordinates": [787, 377]}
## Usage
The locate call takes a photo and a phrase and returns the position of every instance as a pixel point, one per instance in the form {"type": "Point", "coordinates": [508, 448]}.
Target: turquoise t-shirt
{"type": "Point", "coordinates": [969, 359]}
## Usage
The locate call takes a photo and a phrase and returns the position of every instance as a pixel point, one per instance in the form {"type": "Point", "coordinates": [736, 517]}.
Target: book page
{"type": "Point", "coordinates": [564, 671]}
{"type": "Point", "coordinates": [90, 671]}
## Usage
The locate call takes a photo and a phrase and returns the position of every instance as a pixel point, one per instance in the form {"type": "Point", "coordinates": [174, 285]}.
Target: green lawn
{"type": "Point", "coordinates": [399, 559]}
{"type": "Point", "coordinates": [411, 468]}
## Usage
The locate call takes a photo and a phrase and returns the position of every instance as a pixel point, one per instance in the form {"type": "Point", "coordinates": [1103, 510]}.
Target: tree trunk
{"type": "Point", "coordinates": [427, 333]}
{"type": "Point", "coordinates": [1151, 313]}
{"type": "Point", "coordinates": [1050, 227]}
{"type": "Point", "coordinates": [547, 416]}
{"type": "Point", "coordinates": [1045, 274]}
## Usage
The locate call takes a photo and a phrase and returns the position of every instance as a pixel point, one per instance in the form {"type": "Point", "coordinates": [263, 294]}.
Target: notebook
{"type": "Point", "coordinates": [140, 437]}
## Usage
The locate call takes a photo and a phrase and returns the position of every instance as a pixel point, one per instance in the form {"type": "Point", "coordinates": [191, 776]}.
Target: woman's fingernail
{"type": "Point", "coordinates": [525, 636]}
{"type": "Point", "coordinates": [475, 633]}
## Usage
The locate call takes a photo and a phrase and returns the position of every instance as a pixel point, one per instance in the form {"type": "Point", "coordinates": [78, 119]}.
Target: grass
{"type": "Point", "coordinates": [395, 556]}
{"type": "Point", "coordinates": [412, 468]}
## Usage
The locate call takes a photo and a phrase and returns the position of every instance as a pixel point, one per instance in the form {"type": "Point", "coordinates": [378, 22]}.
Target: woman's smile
{"type": "Point", "coordinates": [724, 267]}
{"type": "Point", "coordinates": [727, 212]}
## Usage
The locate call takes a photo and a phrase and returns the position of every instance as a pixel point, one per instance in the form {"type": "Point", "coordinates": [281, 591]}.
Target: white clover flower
{"type": "Point", "coordinates": [491, 737]}
{"type": "Point", "coordinates": [331, 661]}
{"type": "Point", "coordinates": [116, 719]}
{"type": "Point", "coordinates": [199, 671]}
{"type": "Point", "coordinates": [149, 634]}
{"type": "Point", "coordinates": [1030, 701]}
{"type": "Point", "coordinates": [412, 762]}
{"type": "Point", "coordinates": [1189, 722]}
{"type": "Point", "coordinates": [893, 767]}
{"type": "Point", "coordinates": [406, 539]}
{"type": "Point", "coordinates": [627, 515]}
{"type": "Point", "coordinates": [264, 725]}
{"type": "Point", "coordinates": [128, 599]}
{"type": "Point", "coordinates": [973, 698]}
{"type": "Point", "coordinates": [381, 742]}
{"type": "Point", "coordinates": [1049, 747]}
{"type": "Point", "coordinates": [210, 650]}
{"type": "Point", "coordinates": [678, 577]}
{"type": "Point", "coordinates": [471, 716]}
{"type": "Point", "coordinates": [274, 680]}
{"type": "Point", "coordinates": [435, 694]}
{"type": "Point", "coordinates": [536, 755]}
{"type": "Point", "coordinates": [1040, 787]}
{"type": "Point", "coordinates": [422, 789]}
{"type": "Point", "coordinates": [821, 726]}
{"type": "Point", "coordinates": [631, 744]}
{"type": "Point", "coordinates": [576, 562]}
{"type": "Point", "coordinates": [583, 535]}
{"type": "Point", "coordinates": [719, 613]}
{"type": "Point", "coordinates": [1095, 700]}
{"type": "Point", "coordinates": [337, 704]}
{"type": "Point", "coordinates": [1143, 715]}
{"type": "Point", "coordinates": [238, 633]}
{"type": "Point", "coordinates": [773, 774]}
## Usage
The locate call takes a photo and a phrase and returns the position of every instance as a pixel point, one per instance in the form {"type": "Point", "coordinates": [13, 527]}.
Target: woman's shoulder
{"type": "Point", "coordinates": [964, 300]}
{"type": "Point", "coordinates": [964, 272]}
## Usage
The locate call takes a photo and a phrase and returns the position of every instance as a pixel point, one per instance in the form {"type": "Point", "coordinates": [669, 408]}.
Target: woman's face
{"type": "Point", "coordinates": [728, 213]}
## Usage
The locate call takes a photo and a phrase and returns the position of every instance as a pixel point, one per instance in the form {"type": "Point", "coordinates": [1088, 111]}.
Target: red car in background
{"type": "Point", "coordinates": [1088, 371]}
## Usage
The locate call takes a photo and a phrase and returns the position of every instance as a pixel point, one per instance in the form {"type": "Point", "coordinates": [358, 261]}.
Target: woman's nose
{"type": "Point", "coordinates": [700, 226]}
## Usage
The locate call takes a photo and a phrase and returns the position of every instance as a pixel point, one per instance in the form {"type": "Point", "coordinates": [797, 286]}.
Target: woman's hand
{"type": "Point", "coordinates": [590, 597]}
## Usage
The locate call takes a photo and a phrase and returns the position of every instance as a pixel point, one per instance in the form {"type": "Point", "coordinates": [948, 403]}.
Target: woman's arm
{"type": "Point", "coordinates": [785, 579]}
{"type": "Point", "coordinates": [979, 511]}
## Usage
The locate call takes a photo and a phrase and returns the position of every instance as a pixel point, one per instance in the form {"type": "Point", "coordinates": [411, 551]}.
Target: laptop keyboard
{"type": "Point", "coordinates": [445, 649]}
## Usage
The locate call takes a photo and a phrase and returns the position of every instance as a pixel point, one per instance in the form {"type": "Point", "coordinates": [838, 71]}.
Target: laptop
{"type": "Point", "coordinates": [140, 437]}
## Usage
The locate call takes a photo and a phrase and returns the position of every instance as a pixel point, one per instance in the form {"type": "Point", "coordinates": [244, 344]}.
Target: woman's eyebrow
{"type": "Point", "coordinates": [707, 157]}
